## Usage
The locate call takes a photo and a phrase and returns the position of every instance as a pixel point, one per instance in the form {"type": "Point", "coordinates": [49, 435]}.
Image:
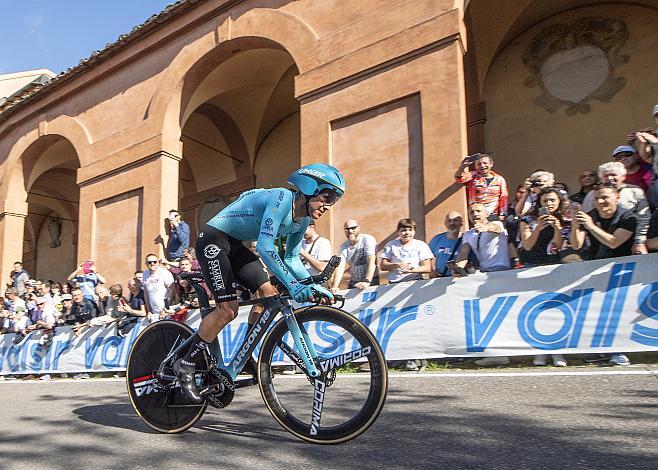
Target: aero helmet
{"type": "Point", "coordinates": [310, 180]}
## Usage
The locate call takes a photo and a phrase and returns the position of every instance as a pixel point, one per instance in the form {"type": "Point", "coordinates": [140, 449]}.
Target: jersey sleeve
{"type": "Point", "coordinates": [292, 259]}
{"type": "Point", "coordinates": [273, 215]}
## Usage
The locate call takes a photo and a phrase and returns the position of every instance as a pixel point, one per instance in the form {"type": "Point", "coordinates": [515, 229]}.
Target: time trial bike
{"type": "Point", "coordinates": [327, 403]}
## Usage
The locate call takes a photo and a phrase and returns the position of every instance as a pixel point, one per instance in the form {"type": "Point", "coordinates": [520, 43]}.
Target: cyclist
{"type": "Point", "coordinates": [262, 215]}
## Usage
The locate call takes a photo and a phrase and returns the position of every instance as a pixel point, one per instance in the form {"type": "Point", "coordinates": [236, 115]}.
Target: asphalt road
{"type": "Point", "coordinates": [449, 421]}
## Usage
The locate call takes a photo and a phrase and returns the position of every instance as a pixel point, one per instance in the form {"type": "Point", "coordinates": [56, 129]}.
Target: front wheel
{"type": "Point", "coordinates": [158, 402]}
{"type": "Point", "coordinates": [349, 394]}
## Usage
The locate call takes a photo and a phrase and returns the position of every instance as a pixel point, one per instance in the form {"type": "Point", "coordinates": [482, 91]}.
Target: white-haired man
{"type": "Point", "coordinates": [630, 197]}
{"type": "Point", "coordinates": [533, 184]}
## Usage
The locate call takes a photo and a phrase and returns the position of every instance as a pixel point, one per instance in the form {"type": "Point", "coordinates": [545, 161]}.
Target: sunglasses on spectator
{"type": "Point", "coordinates": [621, 155]}
{"type": "Point", "coordinates": [354, 227]}
{"type": "Point", "coordinates": [151, 261]}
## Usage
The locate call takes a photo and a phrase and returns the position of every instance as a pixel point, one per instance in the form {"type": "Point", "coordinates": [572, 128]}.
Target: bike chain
{"type": "Point", "coordinates": [223, 398]}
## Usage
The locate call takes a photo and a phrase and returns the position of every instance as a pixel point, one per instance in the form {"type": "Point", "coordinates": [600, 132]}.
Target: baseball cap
{"type": "Point", "coordinates": [655, 110]}
{"type": "Point", "coordinates": [67, 297]}
{"type": "Point", "coordinates": [622, 149]}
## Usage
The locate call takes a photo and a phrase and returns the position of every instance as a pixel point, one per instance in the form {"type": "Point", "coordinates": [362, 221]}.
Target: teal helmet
{"type": "Point", "coordinates": [312, 179]}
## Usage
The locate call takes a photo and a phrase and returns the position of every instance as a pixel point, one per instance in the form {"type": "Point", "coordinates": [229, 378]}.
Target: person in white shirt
{"type": "Point", "coordinates": [487, 240]}
{"type": "Point", "coordinates": [159, 286]}
{"type": "Point", "coordinates": [405, 258]}
{"type": "Point", "coordinates": [359, 252]}
{"type": "Point", "coordinates": [316, 250]}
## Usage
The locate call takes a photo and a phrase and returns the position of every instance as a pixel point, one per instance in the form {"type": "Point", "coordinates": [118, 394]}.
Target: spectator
{"type": "Point", "coordinates": [445, 246]}
{"type": "Point", "coordinates": [87, 279]}
{"type": "Point", "coordinates": [13, 301]}
{"type": "Point", "coordinates": [637, 173]}
{"type": "Point", "coordinates": [84, 308]}
{"type": "Point", "coordinates": [108, 299]}
{"type": "Point", "coordinates": [179, 236]}
{"type": "Point", "coordinates": [132, 310]}
{"type": "Point", "coordinates": [315, 251]}
{"type": "Point", "coordinates": [652, 234]}
{"type": "Point", "coordinates": [487, 240]}
{"type": "Point", "coordinates": [406, 258]}
{"type": "Point", "coordinates": [647, 142]}
{"type": "Point", "coordinates": [66, 288]}
{"type": "Point", "coordinates": [56, 293]}
{"type": "Point", "coordinates": [609, 229]}
{"type": "Point", "coordinates": [630, 197]}
{"type": "Point", "coordinates": [541, 229]}
{"type": "Point", "coordinates": [483, 185]}
{"type": "Point", "coordinates": [18, 277]}
{"type": "Point", "coordinates": [184, 289]}
{"type": "Point", "coordinates": [46, 320]}
{"type": "Point", "coordinates": [512, 224]}
{"type": "Point", "coordinates": [538, 180]}
{"type": "Point", "coordinates": [70, 315]}
{"type": "Point", "coordinates": [43, 290]}
{"type": "Point", "coordinates": [159, 289]}
{"type": "Point", "coordinates": [359, 254]}
{"type": "Point", "coordinates": [587, 182]}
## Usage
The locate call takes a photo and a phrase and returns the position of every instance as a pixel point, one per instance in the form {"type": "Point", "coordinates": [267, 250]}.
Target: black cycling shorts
{"type": "Point", "coordinates": [226, 263]}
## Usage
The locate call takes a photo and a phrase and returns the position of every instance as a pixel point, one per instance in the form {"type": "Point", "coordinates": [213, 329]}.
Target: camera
{"type": "Point", "coordinates": [535, 184]}
{"type": "Point", "coordinates": [543, 211]}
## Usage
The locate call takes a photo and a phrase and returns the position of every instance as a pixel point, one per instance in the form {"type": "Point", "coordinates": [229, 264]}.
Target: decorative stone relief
{"type": "Point", "coordinates": [54, 226]}
{"type": "Point", "coordinates": [575, 63]}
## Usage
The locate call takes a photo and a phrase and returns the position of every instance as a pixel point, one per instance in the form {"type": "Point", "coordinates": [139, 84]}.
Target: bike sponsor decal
{"type": "Point", "coordinates": [250, 339]}
{"type": "Point", "coordinates": [211, 251]}
{"type": "Point", "coordinates": [216, 275]}
{"type": "Point", "coordinates": [269, 222]}
{"type": "Point", "coordinates": [278, 261]}
{"type": "Point", "coordinates": [144, 385]}
{"type": "Point", "coordinates": [318, 401]}
{"type": "Point", "coordinates": [343, 359]}
{"type": "Point", "coordinates": [292, 355]}
{"type": "Point", "coordinates": [312, 172]}
{"type": "Point", "coordinates": [267, 234]}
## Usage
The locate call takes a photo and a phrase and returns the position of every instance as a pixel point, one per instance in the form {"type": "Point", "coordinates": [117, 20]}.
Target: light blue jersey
{"type": "Point", "coordinates": [264, 215]}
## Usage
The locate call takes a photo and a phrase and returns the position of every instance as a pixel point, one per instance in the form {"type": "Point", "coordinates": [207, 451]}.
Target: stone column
{"type": "Point", "coordinates": [12, 226]}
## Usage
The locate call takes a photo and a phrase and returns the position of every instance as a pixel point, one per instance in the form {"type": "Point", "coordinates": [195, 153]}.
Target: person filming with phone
{"type": "Point", "coordinates": [179, 236]}
{"type": "Point", "coordinates": [87, 278]}
{"type": "Point", "coordinates": [541, 229]}
{"type": "Point", "coordinates": [483, 185]}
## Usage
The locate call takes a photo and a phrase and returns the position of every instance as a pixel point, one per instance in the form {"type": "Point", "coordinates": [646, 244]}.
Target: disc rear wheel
{"type": "Point", "coordinates": [160, 403]}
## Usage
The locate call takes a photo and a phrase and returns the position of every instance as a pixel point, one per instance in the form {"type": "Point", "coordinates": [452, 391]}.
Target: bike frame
{"type": "Point", "coordinates": [305, 358]}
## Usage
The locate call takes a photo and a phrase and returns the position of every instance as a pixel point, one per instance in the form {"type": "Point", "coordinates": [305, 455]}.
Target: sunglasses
{"type": "Point", "coordinates": [329, 198]}
{"type": "Point", "coordinates": [622, 155]}
{"type": "Point", "coordinates": [151, 261]}
{"type": "Point", "coordinates": [354, 227]}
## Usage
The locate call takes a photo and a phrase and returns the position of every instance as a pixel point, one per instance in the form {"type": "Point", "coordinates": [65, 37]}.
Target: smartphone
{"type": "Point", "coordinates": [543, 211]}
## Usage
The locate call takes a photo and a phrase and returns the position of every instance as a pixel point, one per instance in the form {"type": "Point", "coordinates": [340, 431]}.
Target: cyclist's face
{"type": "Point", "coordinates": [321, 203]}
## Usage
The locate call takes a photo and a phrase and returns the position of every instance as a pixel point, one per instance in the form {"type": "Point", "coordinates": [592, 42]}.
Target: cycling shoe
{"type": "Point", "coordinates": [187, 380]}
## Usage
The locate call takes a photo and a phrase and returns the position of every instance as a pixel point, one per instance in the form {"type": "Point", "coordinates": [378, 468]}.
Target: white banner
{"type": "Point", "coordinates": [596, 306]}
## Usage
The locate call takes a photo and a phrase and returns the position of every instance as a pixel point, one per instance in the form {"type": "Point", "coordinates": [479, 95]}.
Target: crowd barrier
{"type": "Point", "coordinates": [596, 306]}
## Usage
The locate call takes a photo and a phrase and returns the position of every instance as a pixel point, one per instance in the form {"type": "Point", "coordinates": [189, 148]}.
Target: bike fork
{"type": "Point", "coordinates": [302, 341]}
